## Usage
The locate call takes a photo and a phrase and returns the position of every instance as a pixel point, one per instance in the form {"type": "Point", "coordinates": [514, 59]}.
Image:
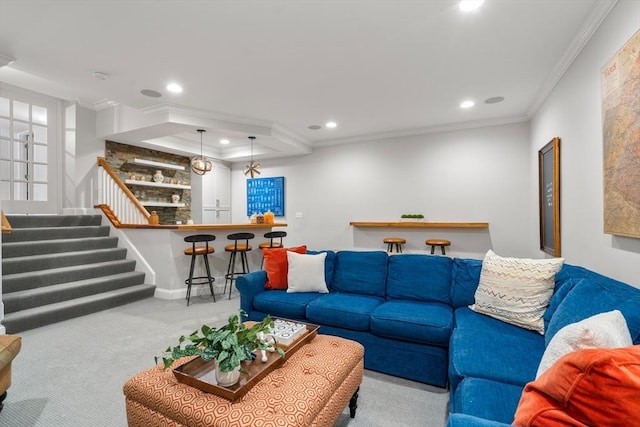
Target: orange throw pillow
{"type": "Point", "coordinates": [277, 267]}
{"type": "Point", "coordinates": [594, 387]}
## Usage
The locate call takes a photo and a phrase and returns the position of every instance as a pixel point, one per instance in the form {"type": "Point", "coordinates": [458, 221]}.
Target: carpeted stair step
{"type": "Point", "coordinates": [30, 298]}
{"type": "Point", "coordinates": [20, 249]}
{"type": "Point", "coordinates": [53, 233]}
{"type": "Point", "coordinates": [66, 259]}
{"type": "Point", "coordinates": [56, 267]}
{"type": "Point", "coordinates": [28, 221]}
{"type": "Point", "coordinates": [35, 279]}
{"type": "Point", "coordinates": [52, 313]}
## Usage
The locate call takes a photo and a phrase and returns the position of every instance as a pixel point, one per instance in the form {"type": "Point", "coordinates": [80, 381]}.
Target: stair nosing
{"type": "Point", "coordinates": [69, 267]}
{"type": "Point", "coordinates": [75, 301]}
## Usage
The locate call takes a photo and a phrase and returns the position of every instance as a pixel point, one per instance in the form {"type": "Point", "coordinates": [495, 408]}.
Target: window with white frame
{"type": "Point", "coordinates": [23, 150]}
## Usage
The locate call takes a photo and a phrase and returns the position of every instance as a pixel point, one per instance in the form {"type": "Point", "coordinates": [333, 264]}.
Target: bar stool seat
{"type": "Point", "coordinates": [438, 242]}
{"type": "Point", "coordinates": [396, 242]}
{"type": "Point", "coordinates": [271, 244]}
{"type": "Point", "coordinates": [193, 251]}
{"type": "Point", "coordinates": [235, 248]}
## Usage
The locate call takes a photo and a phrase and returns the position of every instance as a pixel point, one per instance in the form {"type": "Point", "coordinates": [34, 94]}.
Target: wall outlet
{"type": "Point", "coordinates": [299, 215]}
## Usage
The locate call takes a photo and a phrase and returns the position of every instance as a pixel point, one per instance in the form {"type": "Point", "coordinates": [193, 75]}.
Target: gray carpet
{"type": "Point", "coordinates": [71, 373]}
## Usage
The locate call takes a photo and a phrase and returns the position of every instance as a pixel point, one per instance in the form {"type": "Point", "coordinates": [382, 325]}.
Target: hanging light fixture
{"type": "Point", "coordinates": [252, 169]}
{"type": "Point", "coordinates": [200, 164]}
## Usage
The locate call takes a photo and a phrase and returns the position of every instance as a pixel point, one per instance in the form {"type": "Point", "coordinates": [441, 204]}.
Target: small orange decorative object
{"type": "Point", "coordinates": [153, 218]}
{"type": "Point", "coordinates": [269, 217]}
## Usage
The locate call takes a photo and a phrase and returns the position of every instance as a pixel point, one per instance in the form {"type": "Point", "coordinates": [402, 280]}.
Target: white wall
{"type": "Point", "coordinates": [469, 175]}
{"type": "Point", "coordinates": [573, 112]}
{"type": "Point", "coordinates": [82, 148]}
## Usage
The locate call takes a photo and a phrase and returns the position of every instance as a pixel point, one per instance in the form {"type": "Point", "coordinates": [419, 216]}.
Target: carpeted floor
{"type": "Point", "coordinates": [71, 373]}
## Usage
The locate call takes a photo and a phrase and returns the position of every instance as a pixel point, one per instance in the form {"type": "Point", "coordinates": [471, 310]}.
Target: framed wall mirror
{"type": "Point", "coordinates": [549, 197]}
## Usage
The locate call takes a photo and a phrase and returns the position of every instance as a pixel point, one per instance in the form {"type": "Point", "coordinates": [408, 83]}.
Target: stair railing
{"type": "Point", "coordinates": [6, 226]}
{"type": "Point", "coordinates": [117, 202]}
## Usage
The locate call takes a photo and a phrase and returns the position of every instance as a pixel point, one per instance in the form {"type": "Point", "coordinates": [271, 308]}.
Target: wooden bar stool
{"type": "Point", "coordinates": [438, 242]}
{"type": "Point", "coordinates": [194, 251]}
{"type": "Point", "coordinates": [396, 242]}
{"type": "Point", "coordinates": [272, 235]}
{"type": "Point", "coordinates": [236, 248]}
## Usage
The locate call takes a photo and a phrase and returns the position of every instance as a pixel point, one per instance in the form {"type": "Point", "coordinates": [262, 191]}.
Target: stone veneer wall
{"type": "Point", "coordinates": [117, 154]}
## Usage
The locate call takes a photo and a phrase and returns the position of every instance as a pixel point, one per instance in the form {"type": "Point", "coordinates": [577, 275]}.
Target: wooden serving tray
{"type": "Point", "coordinates": [201, 374]}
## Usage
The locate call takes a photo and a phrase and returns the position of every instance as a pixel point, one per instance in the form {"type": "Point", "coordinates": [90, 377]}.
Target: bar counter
{"type": "Point", "coordinates": [202, 226]}
{"type": "Point", "coordinates": [159, 252]}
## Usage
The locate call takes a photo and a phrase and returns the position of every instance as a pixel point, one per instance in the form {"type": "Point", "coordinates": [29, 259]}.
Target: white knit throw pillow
{"type": "Point", "coordinates": [516, 290]}
{"type": "Point", "coordinates": [604, 330]}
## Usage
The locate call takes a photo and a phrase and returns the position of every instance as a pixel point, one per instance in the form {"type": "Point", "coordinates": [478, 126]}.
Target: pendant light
{"type": "Point", "coordinates": [252, 169]}
{"type": "Point", "coordinates": [201, 165]}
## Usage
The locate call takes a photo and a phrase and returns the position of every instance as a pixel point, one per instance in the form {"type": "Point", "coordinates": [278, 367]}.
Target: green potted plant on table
{"type": "Point", "coordinates": [411, 217]}
{"type": "Point", "coordinates": [228, 345]}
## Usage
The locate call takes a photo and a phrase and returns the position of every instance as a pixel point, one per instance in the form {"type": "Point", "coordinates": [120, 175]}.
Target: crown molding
{"type": "Point", "coordinates": [591, 24]}
{"type": "Point", "coordinates": [423, 131]}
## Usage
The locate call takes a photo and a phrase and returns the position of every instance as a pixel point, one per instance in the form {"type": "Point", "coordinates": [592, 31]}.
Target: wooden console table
{"type": "Point", "coordinates": [419, 224]}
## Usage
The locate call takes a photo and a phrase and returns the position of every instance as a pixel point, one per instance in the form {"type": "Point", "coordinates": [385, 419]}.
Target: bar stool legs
{"type": "Point", "coordinates": [438, 242]}
{"type": "Point", "coordinates": [194, 251]}
{"type": "Point", "coordinates": [234, 249]}
{"type": "Point", "coordinates": [396, 242]}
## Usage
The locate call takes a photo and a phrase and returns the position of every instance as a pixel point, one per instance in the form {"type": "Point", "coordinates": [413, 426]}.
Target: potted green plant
{"type": "Point", "coordinates": [411, 217]}
{"type": "Point", "coordinates": [228, 345]}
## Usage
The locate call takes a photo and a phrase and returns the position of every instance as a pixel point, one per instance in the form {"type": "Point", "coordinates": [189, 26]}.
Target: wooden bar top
{"type": "Point", "coordinates": [202, 226]}
{"type": "Point", "coordinates": [419, 224]}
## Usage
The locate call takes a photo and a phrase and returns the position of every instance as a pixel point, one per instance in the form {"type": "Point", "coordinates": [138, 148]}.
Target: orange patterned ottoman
{"type": "Point", "coordinates": [311, 388]}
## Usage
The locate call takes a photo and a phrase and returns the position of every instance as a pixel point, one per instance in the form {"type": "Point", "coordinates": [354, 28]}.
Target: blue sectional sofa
{"type": "Point", "coordinates": [411, 312]}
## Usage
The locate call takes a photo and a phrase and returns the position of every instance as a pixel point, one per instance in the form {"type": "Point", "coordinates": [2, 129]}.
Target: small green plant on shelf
{"type": "Point", "coordinates": [412, 216]}
{"type": "Point", "coordinates": [229, 345]}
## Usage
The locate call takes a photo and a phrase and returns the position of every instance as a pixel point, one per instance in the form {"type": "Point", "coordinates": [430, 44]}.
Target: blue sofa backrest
{"type": "Point", "coordinates": [360, 273]}
{"type": "Point", "coordinates": [329, 264]}
{"type": "Point", "coordinates": [418, 277]}
{"type": "Point", "coordinates": [465, 276]}
{"type": "Point", "coordinates": [591, 294]}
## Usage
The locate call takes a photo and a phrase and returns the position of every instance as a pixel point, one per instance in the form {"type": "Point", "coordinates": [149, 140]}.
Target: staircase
{"type": "Point", "coordinates": [56, 267]}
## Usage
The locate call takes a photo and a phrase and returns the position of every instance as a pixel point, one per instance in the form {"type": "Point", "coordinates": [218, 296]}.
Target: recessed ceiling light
{"type": "Point", "coordinates": [151, 93]}
{"type": "Point", "coordinates": [494, 100]}
{"type": "Point", "coordinates": [331, 125]}
{"type": "Point", "coordinates": [99, 75]}
{"type": "Point", "coordinates": [470, 5]}
{"type": "Point", "coordinates": [224, 141]}
{"type": "Point", "coordinates": [174, 88]}
{"type": "Point", "coordinates": [315, 127]}
{"type": "Point", "coordinates": [467, 104]}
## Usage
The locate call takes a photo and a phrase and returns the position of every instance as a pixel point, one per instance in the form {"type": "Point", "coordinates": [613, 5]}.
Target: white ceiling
{"type": "Point", "coordinates": [378, 68]}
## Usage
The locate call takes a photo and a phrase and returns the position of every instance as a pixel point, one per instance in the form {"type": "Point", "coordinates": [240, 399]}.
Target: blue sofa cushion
{"type": "Point", "coordinates": [282, 304]}
{"type": "Point", "coordinates": [363, 273]}
{"type": "Point", "coordinates": [565, 279]}
{"type": "Point", "coordinates": [329, 264]}
{"type": "Point", "coordinates": [349, 311]}
{"type": "Point", "coordinates": [465, 318]}
{"type": "Point", "coordinates": [422, 322]}
{"type": "Point", "coordinates": [487, 399]}
{"type": "Point", "coordinates": [465, 276]}
{"type": "Point", "coordinates": [506, 354]}
{"type": "Point", "coordinates": [464, 420]}
{"type": "Point", "coordinates": [419, 278]}
{"type": "Point", "coordinates": [593, 295]}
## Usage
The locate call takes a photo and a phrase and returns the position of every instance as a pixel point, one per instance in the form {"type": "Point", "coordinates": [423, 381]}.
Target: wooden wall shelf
{"type": "Point", "coordinates": [419, 224]}
{"type": "Point", "coordinates": [151, 164]}
{"type": "Point", "coordinates": [163, 204]}
{"type": "Point", "coordinates": [157, 184]}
